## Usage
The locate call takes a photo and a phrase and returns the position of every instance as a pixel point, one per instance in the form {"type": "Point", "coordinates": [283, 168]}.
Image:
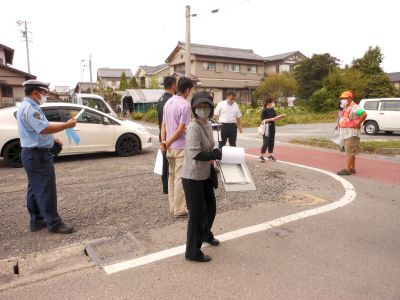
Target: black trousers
{"type": "Point", "coordinates": [268, 142]}
{"type": "Point", "coordinates": [42, 193]}
{"type": "Point", "coordinates": [200, 201]}
{"type": "Point", "coordinates": [164, 176]}
{"type": "Point", "coordinates": [228, 131]}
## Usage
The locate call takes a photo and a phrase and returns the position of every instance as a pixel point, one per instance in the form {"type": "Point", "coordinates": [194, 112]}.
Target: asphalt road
{"type": "Point", "coordinates": [348, 253]}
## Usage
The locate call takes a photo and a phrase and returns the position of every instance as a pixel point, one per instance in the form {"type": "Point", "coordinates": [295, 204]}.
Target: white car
{"type": "Point", "coordinates": [383, 114]}
{"type": "Point", "coordinates": [98, 132]}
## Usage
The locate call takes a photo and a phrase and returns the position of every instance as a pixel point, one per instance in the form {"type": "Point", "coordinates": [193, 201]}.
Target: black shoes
{"type": "Point", "coordinates": [213, 242]}
{"type": "Point", "coordinates": [36, 226]}
{"type": "Point", "coordinates": [204, 258]}
{"type": "Point", "coordinates": [62, 229]}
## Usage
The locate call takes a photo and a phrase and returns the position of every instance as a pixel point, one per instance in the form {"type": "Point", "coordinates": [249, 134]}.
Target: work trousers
{"type": "Point", "coordinates": [228, 131]}
{"type": "Point", "coordinates": [201, 204]}
{"type": "Point", "coordinates": [176, 196]}
{"type": "Point", "coordinates": [269, 141]}
{"type": "Point", "coordinates": [42, 192]}
{"type": "Point", "coordinates": [164, 176]}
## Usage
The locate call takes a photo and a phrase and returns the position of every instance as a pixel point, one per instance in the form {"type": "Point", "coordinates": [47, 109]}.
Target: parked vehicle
{"type": "Point", "coordinates": [98, 132]}
{"type": "Point", "coordinates": [93, 101]}
{"type": "Point", "coordinates": [383, 115]}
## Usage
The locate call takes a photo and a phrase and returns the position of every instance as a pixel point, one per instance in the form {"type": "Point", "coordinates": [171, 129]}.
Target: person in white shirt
{"type": "Point", "coordinates": [229, 115]}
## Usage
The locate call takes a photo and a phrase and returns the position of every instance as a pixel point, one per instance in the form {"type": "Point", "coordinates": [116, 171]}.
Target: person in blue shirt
{"type": "Point", "coordinates": [37, 140]}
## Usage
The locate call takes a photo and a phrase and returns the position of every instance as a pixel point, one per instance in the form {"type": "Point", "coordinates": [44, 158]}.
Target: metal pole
{"type": "Point", "coordinates": [188, 48]}
{"type": "Point", "coordinates": [90, 70]}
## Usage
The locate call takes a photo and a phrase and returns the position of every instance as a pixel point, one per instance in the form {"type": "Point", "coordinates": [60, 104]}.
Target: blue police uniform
{"type": "Point", "coordinates": [38, 163]}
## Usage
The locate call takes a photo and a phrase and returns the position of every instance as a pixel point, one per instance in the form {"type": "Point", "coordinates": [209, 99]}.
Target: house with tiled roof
{"type": "Point", "coordinates": [394, 79]}
{"type": "Point", "coordinates": [284, 62]}
{"type": "Point", "coordinates": [108, 77]}
{"type": "Point", "coordinates": [220, 69]}
{"type": "Point", "coordinates": [11, 79]}
{"type": "Point", "coordinates": [151, 76]}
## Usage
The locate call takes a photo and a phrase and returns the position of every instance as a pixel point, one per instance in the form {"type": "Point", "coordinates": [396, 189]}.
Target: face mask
{"type": "Point", "coordinates": [203, 112]}
{"type": "Point", "coordinates": [272, 105]}
{"type": "Point", "coordinates": [43, 99]}
{"type": "Point", "coordinates": [343, 103]}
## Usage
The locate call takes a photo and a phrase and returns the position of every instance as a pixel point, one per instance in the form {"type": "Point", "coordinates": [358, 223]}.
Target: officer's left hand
{"type": "Point", "coordinates": [240, 130]}
{"type": "Point", "coordinates": [58, 141]}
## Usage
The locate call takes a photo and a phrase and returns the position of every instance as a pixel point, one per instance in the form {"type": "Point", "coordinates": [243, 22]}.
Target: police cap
{"type": "Point", "coordinates": [31, 85]}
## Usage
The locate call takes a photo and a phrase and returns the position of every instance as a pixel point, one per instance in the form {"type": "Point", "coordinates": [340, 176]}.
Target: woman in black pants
{"type": "Point", "coordinates": [198, 160]}
{"type": "Point", "coordinates": [268, 117]}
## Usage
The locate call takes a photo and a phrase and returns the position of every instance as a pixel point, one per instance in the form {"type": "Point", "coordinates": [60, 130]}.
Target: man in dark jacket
{"type": "Point", "coordinates": [170, 90]}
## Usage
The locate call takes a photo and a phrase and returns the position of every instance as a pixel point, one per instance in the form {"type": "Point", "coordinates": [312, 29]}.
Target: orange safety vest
{"type": "Point", "coordinates": [345, 121]}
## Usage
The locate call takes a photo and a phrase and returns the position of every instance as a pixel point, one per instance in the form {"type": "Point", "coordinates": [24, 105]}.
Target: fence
{"type": "Point", "coordinates": [6, 102]}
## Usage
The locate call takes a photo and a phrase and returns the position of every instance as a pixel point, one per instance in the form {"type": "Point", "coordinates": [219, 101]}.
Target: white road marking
{"type": "Point", "coordinates": [348, 197]}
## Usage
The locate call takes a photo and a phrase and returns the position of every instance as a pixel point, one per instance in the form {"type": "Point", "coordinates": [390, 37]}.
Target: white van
{"type": "Point", "coordinates": [93, 101]}
{"type": "Point", "coordinates": [383, 115]}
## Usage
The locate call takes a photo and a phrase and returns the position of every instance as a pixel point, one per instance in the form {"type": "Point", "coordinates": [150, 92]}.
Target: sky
{"type": "Point", "coordinates": [127, 34]}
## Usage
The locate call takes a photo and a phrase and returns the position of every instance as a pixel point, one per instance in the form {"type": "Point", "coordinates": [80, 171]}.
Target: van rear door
{"type": "Point", "coordinates": [389, 112]}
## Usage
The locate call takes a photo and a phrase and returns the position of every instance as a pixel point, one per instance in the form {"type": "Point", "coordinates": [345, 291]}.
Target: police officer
{"type": "Point", "coordinates": [36, 137]}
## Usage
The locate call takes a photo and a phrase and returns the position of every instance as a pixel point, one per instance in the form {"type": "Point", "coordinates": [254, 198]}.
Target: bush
{"type": "Point", "coordinates": [151, 116]}
{"type": "Point", "coordinates": [137, 115]}
{"type": "Point", "coordinates": [321, 101]}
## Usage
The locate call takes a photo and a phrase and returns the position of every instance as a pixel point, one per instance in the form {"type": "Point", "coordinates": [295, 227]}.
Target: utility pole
{"type": "Point", "coordinates": [90, 70]}
{"type": "Point", "coordinates": [188, 48]}
{"type": "Point", "coordinates": [25, 36]}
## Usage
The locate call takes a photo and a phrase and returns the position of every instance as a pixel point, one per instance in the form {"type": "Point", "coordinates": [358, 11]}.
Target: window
{"type": "Point", "coordinates": [232, 67]}
{"type": "Point", "coordinates": [390, 105]}
{"type": "Point", "coordinates": [52, 114]}
{"type": "Point", "coordinates": [210, 66]}
{"type": "Point", "coordinates": [180, 68]}
{"type": "Point", "coordinates": [252, 69]}
{"type": "Point", "coordinates": [6, 91]}
{"type": "Point", "coordinates": [90, 117]}
{"type": "Point", "coordinates": [371, 105]}
{"type": "Point", "coordinates": [69, 113]}
{"type": "Point", "coordinates": [277, 69]}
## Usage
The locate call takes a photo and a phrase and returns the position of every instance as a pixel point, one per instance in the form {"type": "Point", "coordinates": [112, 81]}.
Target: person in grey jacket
{"type": "Point", "coordinates": [197, 185]}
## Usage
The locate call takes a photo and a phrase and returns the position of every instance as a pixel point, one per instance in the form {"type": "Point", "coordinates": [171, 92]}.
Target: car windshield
{"type": "Point", "coordinates": [96, 104]}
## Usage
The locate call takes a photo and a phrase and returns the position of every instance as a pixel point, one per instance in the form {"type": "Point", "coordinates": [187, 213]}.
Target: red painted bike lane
{"type": "Point", "coordinates": [374, 169]}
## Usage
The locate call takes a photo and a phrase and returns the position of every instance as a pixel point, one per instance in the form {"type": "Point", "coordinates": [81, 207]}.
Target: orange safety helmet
{"type": "Point", "coordinates": [346, 94]}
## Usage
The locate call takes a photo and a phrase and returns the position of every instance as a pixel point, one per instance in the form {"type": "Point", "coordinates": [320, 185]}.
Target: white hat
{"type": "Point", "coordinates": [36, 84]}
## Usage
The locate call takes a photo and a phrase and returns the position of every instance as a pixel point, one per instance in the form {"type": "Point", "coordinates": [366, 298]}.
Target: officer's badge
{"type": "Point", "coordinates": [36, 115]}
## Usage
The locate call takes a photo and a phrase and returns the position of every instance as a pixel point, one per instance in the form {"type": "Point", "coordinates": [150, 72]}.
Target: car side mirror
{"type": "Point", "coordinates": [106, 121]}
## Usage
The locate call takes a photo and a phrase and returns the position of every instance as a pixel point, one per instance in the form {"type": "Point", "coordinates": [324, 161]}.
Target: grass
{"type": "Point", "coordinates": [390, 147]}
{"type": "Point", "coordinates": [251, 117]}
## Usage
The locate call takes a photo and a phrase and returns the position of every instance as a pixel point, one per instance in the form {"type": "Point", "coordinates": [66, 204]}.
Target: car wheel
{"type": "Point", "coordinates": [389, 132]}
{"type": "Point", "coordinates": [371, 127]}
{"type": "Point", "coordinates": [12, 154]}
{"type": "Point", "coordinates": [127, 145]}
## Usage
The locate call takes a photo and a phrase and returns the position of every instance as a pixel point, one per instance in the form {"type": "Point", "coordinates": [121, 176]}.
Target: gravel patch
{"type": "Point", "coordinates": [105, 196]}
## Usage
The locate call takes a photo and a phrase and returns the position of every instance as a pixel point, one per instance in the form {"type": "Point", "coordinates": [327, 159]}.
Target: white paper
{"type": "Point", "coordinates": [232, 155]}
{"type": "Point", "coordinates": [158, 166]}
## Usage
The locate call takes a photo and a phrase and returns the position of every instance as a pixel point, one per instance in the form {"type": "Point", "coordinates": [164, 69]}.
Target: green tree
{"type": "Point", "coordinates": [278, 86]}
{"type": "Point", "coordinates": [310, 72]}
{"type": "Point", "coordinates": [123, 83]}
{"type": "Point", "coordinates": [133, 83]}
{"type": "Point", "coordinates": [154, 83]}
{"type": "Point", "coordinates": [340, 80]}
{"type": "Point", "coordinates": [378, 83]}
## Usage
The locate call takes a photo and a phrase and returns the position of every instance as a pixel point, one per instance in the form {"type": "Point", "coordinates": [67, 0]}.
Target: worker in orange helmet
{"type": "Point", "coordinates": [350, 122]}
